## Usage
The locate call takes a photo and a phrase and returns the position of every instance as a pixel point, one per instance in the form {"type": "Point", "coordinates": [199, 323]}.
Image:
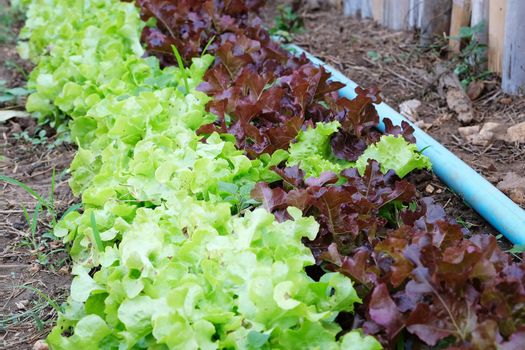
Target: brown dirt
{"type": "Point", "coordinates": [393, 61]}
{"type": "Point", "coordinates": [28, 263]}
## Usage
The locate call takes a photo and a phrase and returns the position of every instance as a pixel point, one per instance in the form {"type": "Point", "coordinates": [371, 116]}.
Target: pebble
{"type": "Point", "coordinates": [516, 133]}
{"type": "Point", "coordinates": [40, 345]}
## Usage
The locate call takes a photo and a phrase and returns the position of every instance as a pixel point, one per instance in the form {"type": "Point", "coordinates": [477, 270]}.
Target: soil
{"type": "Point", "coordinates": [34, 270]}
{"type": "Point", "coordinates": [403, 70]}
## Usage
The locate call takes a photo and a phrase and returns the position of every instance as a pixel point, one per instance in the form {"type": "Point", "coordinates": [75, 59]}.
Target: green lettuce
{"type": "Point", "coordinates": [312, 151]}
{"type": "Point", "coordinates": [394, 152]}
{"type": "Point", "coordinates": [207, 280]}
{"type": "Point", "coordinates": [167, 252]}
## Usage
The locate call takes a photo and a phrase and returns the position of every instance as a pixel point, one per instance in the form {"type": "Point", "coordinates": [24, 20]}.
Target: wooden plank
{"type": "Point", "coordinates": [435, 19]}
{"type": "Point", "coordinates": [366, 9]}
{"type": "Point", "coordinates": [497, 12]}
{"type": "Point", "coordinates": [397, 13]}
{"type": "Point", "coordinates": [378, 11]}
{"type": "Point", "coordinates": [480, 14]}
{"type": "Point", "coordinates": [351, 7]}
{"type": "Point", "coordinates": [413, 14]}
{"type": "Point", "coordinates": [460, 17]}
{"type": "Point", "coordinates": [513, 77]}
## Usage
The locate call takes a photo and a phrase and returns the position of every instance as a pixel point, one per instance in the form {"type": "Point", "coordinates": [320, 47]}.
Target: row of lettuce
{"type": "Point", "coordinates": [177, 149]}
{"type": "Point", "coordinates": [424, 280]}
{"type": "Point", "coordinates": [168, 251]}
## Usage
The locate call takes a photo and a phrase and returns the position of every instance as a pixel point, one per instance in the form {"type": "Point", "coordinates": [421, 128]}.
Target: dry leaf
{"type": "Point", "coordinates": [8, 114]}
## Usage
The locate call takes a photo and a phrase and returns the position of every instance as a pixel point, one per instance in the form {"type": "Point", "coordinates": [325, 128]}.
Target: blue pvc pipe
{"type": "Point", "coordinates": [501, 212]}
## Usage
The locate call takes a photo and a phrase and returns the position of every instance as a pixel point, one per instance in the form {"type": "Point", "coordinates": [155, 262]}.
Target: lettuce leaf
{"type": "Point", "coordinates": [394, 152]}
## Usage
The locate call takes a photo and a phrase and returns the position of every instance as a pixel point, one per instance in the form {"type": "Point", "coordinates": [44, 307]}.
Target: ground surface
{"type": "Point", "coordinates": [35, 269]}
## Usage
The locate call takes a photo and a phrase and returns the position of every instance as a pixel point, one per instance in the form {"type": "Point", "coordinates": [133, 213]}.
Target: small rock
{"type": "Point", "coordinates": [475, 89]}
{"type": "Point", "coordinates": [439, 191]}
{"type": "Point", "coordinates": [516, 133]}
{"type": "Point", "coordinates": [510, 181]}
{"type": "Point", "coordinates": [40, 345]}
{"type": "Point", "coordinates": [466, 131]}
{"type": "Point", "coordinates": [482, 136]}
{"type": "Point", "coordinates": [429, 189]}
{"type": "Point", "coordinates": [486, 134]}
{"type": "Point", "coordinates": [505, 101]}
{"type": "Point", "coordinates": [22, 304]}
{"type": "Point", "coordinates": [409, 109]}
{"type": "Point", "coordinates": [64, 270]}
{"type": "Point", "coordinates": [495, 128]}
{"type": "Point", "coordinates": [465, 117]}
{"type": "Point", "coordinates": [459, 102]}
{"type": "Point", "coordinates": [517, 196]}
{"type": "Point", "coordinates": [514, 186]}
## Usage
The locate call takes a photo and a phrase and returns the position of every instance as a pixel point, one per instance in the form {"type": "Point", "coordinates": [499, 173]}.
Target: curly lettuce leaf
{"type": "Point", "coordinates": [312, 151]}
{"type": "Point", "coordinates": [394, 152]}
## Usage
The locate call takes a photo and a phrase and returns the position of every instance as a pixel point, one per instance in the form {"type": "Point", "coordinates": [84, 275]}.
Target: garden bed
{"type": "Point", "coordinates": [403, 70]}
{"type": "Point", "coordinates": [145, 231]}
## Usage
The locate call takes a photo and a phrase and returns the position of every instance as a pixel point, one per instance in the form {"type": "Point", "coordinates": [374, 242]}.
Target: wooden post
{"type": "Point", "coordinates": [480, 14]}
{"type": "Point", "coordinates": [435, 19]}
{"type": "Point", "coordinates": [413, 14]}
{"type": "Point", "coordinates": [460, 18]}
{"type": "Point", "coordinates": [378, 11]}
{"type": "Point", "coordinates": [513, 75]}
{"type": "Point", "coordinates": [351, 7]}
{"type": "Point", "coordinates": [366, 9]}
{"type": "Point", "coordinates": [396, 14]}
{"type": "Point", "coordinates": [497, 11]}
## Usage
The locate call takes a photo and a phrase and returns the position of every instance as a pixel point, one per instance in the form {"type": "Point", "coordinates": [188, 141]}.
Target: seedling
{"type": "Point", "coordinates": [8, 17]}
{"type": "Point", "coordinates": [472, 58]}
{"type": "Point", "coordinates": [286, 23]}
{"type": "Point", "coordinates": [11, 95]}
{"type": "Point", "coordinates": [181, 67]}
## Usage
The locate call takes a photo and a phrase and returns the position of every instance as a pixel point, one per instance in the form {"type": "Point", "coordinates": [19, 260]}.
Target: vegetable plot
{"type": "Point", "coordinates": [168, 252]}
{"type": "Point", "coordinates": [178, 149]}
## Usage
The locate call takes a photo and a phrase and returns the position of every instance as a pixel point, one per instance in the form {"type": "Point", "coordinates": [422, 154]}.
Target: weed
{"type": "Point", "coordinates": [286, 23]}
{"type": "Point", "coordinates": [517, 249]}
{"type": "Point", "coordinates": [9, 16]}
{"type": "Point", "coordinates": [181, 67]}
{"type": "Point", "coordinates": [464, 223]}
{"type": "Point", "coordinates": [44, 203]}
{"type": "Point", "coordinates": [376, 56]}
{"type": "Point", "coordinates": [33, 312]}
{"type": "Point", "coordinates": [15, 66]}
{"type": "Point", "coordinates": [11, 95]}
{"type": "Point", "coordinates": [41, 245]}
{"type": "Point", "coordinates": [32, 221]}
{"type": "Point", "coordinates": [470, 62]}
{"type": "Point", "coordinates": [40, 138]}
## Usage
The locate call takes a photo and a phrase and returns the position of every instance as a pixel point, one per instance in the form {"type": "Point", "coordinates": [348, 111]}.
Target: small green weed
{"type": "Point", "coordinates": [40, 138]}
{"type": "Point", "coordinates": [9, 16]}
{"type": "Point", "coordinates": [43, 202]}
{"type": "Point", "coordinates": [470, 62]}
{"type": "Point", "coordinates": [11, 95]}
{"type": "Point", "coordinates": [286, 23]}
{"type": "Point", "coordinates": [34, 311]}
{"type": "Point", "coordinates": [45, 211]}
